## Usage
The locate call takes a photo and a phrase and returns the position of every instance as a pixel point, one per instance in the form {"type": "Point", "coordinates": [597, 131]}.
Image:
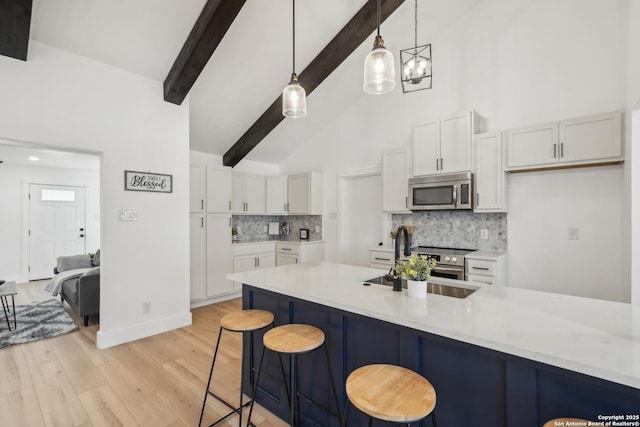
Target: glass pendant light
{"type": "Point", "coordinates": [379, 71]}
{"type": "Point", "coordinates": [294, 98]}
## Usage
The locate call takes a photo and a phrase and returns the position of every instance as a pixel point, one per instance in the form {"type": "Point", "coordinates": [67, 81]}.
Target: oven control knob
{"type": "Point", "coordinates": [454, 259]}
{"type": "Point", "coordinates": [447, 258]}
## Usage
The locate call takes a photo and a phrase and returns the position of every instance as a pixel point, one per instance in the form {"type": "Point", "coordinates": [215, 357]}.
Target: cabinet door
{"type": "Point", "coordinates": [198, 252]}
{"type": "Point", "coordinates": [218, 189]}
{"type": "Point", "coordinates": [299, 194]}
{"type": "Point", "coordinates": [245, 263]}
{"type": "Point", "coordinates": [286, 259]}
{"type": "Point", "coordinates": [426, 148]}
{"type": "Point", "coordinates": [395, 181]}
{"type": "Point", "coordinates": [591, 138]}
{"type": "Point", "coordinates": [219, 261]}
{"type": "Point", "coordinates": [489, 172]}
{"type": "Point", "coordinates": [456, 133]}
{"type": "Point", "coordinates": [196, 188]}
{"type": "Point", "coordinates": [254, 192]}
{"type": "Point", "coordinates": [237, 194]}
{"type": "Point", "coordinates": [277, 196]}
{"type": "Point", "coordinates": [267, 260]}
{"type": "Point", "coordinates": [532, 146]}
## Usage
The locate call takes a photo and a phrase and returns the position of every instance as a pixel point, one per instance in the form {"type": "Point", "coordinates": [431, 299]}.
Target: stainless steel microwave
{"type": "Point", "coordinates": [434, 192]}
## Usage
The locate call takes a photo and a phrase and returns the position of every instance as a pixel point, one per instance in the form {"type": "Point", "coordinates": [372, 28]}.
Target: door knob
{"type": "Point", "coordinates": [82, 235]}
{"type": "Point", "coordinates": [82, 229]}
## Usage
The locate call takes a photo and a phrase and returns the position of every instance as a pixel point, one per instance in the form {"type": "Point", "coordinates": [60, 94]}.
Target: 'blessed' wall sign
{"type": "Point", "coordinates": [147, 181]}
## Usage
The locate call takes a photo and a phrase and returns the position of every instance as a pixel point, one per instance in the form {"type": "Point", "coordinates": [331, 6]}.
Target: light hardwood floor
{"type": "Point", "coordinates": [157, 381]}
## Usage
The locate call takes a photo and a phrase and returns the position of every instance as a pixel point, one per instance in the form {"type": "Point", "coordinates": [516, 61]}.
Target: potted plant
{"type": "Point", "coordinates": [417, 270]}
{"type": "Point", "coordinates": [234, 233]}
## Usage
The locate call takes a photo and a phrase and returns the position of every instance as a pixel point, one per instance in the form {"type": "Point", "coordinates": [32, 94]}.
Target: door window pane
{"type": "Point", "coordinates": [58, 195]}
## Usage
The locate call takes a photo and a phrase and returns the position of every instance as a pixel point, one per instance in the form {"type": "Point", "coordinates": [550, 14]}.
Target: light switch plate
{"type": "Point", "coordinates": [128, 215]}
{"type": "Point", "coordinates": [484, 234]}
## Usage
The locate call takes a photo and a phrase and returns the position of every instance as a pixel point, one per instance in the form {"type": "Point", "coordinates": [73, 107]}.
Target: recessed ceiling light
{"type": "Point", "coordinates": [34, 158]}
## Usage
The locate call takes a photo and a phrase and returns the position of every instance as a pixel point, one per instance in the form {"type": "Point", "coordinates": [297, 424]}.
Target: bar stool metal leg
{"type": "Point", "coordinates": [206, 393]}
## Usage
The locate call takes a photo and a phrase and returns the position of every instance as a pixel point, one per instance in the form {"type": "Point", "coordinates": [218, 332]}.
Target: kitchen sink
{"type": "Point", "coordinates": [432, 288]}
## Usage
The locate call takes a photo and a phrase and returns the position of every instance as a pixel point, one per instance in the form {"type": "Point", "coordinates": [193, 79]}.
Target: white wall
{"type": "Point", "coordinates": [62, 99]}
{"type": "Point", "coordinates": [12, 177]}
{"type": "Point", "coordinates": [517, 63]}
{"type": "Point", "coordinates": [246, 166]}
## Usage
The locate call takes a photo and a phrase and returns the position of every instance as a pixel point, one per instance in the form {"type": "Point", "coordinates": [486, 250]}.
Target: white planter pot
{"type": "Point", "coordinates": [417, 289]}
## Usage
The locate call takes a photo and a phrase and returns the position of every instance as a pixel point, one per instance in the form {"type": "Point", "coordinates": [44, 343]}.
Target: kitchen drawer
{"type": "Point", "coordinates": [252, 248]}
{"type": "Point", "coordinates": [483, 280]}
{"type": "Point", "coordinates": [481, 267]}
{"type": "Point", "coordinates": [288, 248]}
{"type": "Point", "coordinates": [381, 257]}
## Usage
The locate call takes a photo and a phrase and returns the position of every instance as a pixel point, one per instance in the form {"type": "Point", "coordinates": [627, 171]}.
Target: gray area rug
{"type": "Point", "coordinates": [36, 321]}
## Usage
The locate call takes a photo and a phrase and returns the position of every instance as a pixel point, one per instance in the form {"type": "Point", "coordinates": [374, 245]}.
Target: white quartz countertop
{"type": "Point", "coordinates": [275, 240]}
{"type": "Point", "coordinates": [590, 336]}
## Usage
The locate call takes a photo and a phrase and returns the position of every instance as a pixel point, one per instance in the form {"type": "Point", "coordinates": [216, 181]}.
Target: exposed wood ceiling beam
{"type": "Point", "coordinates": [15, 22]}
{"type": "Point", "coordinates": [207, 33]}
{"type": "Point", "coordinates": [357, 30]}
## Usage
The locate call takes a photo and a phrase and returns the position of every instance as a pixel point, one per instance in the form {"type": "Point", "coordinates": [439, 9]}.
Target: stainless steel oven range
{"type": "Point", "coordinates": [450, 261]}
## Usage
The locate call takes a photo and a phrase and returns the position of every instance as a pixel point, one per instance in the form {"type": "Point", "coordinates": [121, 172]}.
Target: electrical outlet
{"type": "Point", "coordinates": [146, 307]}
{"type": "Point", "coordinates": [266, 229]}
{"type": "Point", "coordinates": [484, 234]}
{"type": "Point", "coordinates": [574, 233]}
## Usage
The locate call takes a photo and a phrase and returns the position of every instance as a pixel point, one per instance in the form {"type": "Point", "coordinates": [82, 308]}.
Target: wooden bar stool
{"type": "Point", "coordinates": [558, 422]}
{"type": "Point", "coordinates": [241, 321]}
{"type": "Point", "coordinates": [390, 393]}
{"type": "Point", "coordinates": [293, 340]}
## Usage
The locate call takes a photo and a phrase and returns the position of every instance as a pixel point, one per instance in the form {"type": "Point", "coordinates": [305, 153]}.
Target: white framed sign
{"type": "Point", "coordinates": [148, 181]}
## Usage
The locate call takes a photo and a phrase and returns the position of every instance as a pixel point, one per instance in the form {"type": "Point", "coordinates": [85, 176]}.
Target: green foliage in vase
{"type": "Point", "coordinates": [416, 267]}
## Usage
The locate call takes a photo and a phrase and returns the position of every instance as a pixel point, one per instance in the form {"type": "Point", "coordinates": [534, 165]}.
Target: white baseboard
{"type": "Point", "coordinates": [208, 301]}
{"type": "Point", "coordinates": [142, 330]}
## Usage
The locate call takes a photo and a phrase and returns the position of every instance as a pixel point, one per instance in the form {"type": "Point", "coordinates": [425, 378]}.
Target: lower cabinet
{"type": "Point", "coordinates": [210, 244]}
{"type": "Point", "coordinates": [486, 268]}
{"type": "Point", "coordinates": [294, 252]}
{"type": "Point", "coordinates": [379, 258]}
{"type": "Point", "coordinates": [252, 256]}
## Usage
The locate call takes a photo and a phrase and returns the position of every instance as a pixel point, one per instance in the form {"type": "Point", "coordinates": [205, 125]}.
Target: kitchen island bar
{"type": "Point", "coordinates": [500, 357]}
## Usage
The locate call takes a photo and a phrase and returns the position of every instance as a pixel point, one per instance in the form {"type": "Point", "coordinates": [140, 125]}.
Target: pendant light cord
{"type": "Point", "coordinates": [415, 23]}
{"type": "Point", "coordinates": [378, 18]}
{"type": "Point", "coordinates": [294, 36]}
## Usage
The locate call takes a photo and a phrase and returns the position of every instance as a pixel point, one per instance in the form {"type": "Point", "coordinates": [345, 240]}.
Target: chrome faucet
{"type": "Point", "coordinates": [402, 232]}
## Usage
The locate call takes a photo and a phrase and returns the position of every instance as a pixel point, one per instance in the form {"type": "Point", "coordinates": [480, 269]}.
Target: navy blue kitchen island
{"type": "Point", "coordinates": [483, 367]}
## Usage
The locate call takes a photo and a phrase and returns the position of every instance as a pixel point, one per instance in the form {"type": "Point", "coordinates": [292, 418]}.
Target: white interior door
{"type": "Point", "coordinates": [56, 226]}
{"type": "Point", "coordinates": [362, 217]}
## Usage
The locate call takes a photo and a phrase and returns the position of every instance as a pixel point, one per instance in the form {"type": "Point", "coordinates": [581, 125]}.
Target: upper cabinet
{"type": "Point", "coordinates": [395, 181]}
{"type": "Point", "coordinates": [209, 188]}
{"type": "Point", "coordinates": [443, 145]}
{"type": "Point", "coordinates": [488, 173]}
{"type": "Point", "coordinates": [584, 141]}
{"type": "Point", "coordinates": [305, 194]}
{"type": "Point", "coordinates": [196, 187]}
{"type": "Point", "coordinates": [248, 194]}
{"type": "Point", "coordinates": [218, 189]}
{"type": "Point", "coordinates": [277, 195]}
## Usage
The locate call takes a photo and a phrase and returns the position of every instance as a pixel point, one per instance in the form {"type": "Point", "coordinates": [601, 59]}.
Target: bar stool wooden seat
{"type": "Point", "coordinates": [390, 393]}
{"type": "Point", "coordinates": [241, 321]}
{"type": "Point", "coordinates": [557, 422]}
{"type": "Point", "coordinates": [294, 340]}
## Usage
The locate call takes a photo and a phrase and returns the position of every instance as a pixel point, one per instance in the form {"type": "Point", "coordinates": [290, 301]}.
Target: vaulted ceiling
{"type": "Point", "coordinates": [250, 66]}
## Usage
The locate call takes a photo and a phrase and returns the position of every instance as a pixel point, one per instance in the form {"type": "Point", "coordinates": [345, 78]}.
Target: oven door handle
{"type": "Point", "coordinates": [438, 268]}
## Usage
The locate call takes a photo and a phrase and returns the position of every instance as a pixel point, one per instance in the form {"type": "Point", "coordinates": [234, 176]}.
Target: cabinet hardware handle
{"type": "Point", "coordinates": [441, 164]}
{"type": "Point", "coordinates": [478, 199]}
{"type": "Point", "coordinates": [554, 150]}
{"type": "Point", "coordinates": [255, 262]}
{"type": "Point", "coordinates": [286, 249]}
{"type": "Point", "coordinates": [296, 260]}
{"type": "Point", "coordinates": [201, 222]}
{"type": "Point", "coordinates": [486, 283]}
{"type": "Point", "coordinates": [437, 163]}
{"type": "Point", "coordinates": [201, 203]}
{"type": "Point", "coordinates": [258, 259]}
{"type": "Point", "coordinates": [562, 149]}
{"type": "Point", "coordinates": [480, 268]}
{"type": "Point", "coordinates": [229, 204]}
{"type": "Point", "coordinates": [381, 259]}
{"type": "Point", "coordinates": [406, 202]}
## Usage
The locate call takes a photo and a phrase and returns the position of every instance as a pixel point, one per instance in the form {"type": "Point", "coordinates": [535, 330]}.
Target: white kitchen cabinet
{"type": "Point", "coordinates": [582, 141]}
{"type": "Point", "coordinates": [219, 261]}
{"type": "Point", "coordinates": [305, 194]}
{"type": "Point", "coordinates": [251, 256]}
{"type": "Point", "coordinates": [218, 189]}
{"type": "Point", "coordinates": [294, 252]}
{"type": "Point", "coordinates": [277, 195]}
{"type": "Point", "coordinates": [486, 268]}
{"type": "Point", "coordinates": [248, 194]}
{"type": "Point", "coordinates": [443, 145]}
{"type": "Point", "coordinates": [196, 187]}
{"type": "Point", "coordinates": [395, 181]}
{"type": "Point", "coordinates": [381, 259]}
{"type": "Point", "coordinates": [489, 176]}
{"type": "Point", "coordinates": [198, 256]}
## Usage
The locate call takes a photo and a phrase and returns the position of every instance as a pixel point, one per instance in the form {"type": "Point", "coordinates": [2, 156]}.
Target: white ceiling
{"type": "Point", "coordinates": [17, 153]}
{"type": "Point", "coordinates": [251, 65]}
